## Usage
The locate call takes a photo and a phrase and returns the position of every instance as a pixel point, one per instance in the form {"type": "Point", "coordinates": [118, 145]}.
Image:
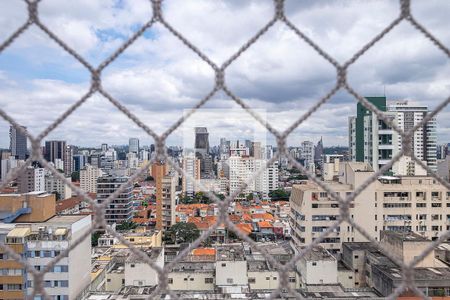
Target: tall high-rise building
{"type": "Point", "coordinates": [424, 139]}
{"type": "Point", "coordinates": [55, 150]}
{"type": "Point", "coordinates": [18, 143]}
{"type": "Point", "coordinates": [318, 153]}
{"type": "Point", "coordinates": [120, 209]}
{"type": "Point", "coordinates": [165, 195]}
{"type": "Point", "coordinates": [68, 160]}
{"type": "Point", "coordinates": [372, 141]}
{"type": "Point", "coordinates": [79, 161]}
{"type": "Point", "coordinates": [133, 145]}
{"type": "Point", "coordinates": [202, 152]}
{"type": "Point", "coordinates": [308, 154]}
{"type": "Point", "coordinates": [191, 166]}
{"type": "Point", "coordinates": [88, 178]}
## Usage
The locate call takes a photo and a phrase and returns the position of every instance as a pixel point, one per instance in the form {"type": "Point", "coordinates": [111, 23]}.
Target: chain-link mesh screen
{"type": "Point", "coordinates": [279, 16]}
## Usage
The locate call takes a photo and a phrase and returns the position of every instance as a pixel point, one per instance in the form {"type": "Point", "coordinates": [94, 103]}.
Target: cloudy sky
{"type": "Point", "coordinates": [158, 78]}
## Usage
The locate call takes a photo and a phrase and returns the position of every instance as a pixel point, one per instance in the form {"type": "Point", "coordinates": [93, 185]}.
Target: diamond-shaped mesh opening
{"type": "Point", "coordinates": [404, 15]}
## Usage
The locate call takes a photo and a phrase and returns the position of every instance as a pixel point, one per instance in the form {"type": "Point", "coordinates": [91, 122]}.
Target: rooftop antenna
{"type": "Point", "coordinates": [384, 90]}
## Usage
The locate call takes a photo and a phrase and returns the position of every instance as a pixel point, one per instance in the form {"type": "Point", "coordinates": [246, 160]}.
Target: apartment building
{"type": "Point", "coordinates": [120, 208]}
{"type": "Point", "coordinates": [168, 200]}
{"type": "Point", "coordinates": [55, 185]}
{"type": "Point", "coordinates": [39, 243]}
{"type": "Point", "coordinates": [88, 178]}
{"type": "Point", "coordinates": [418, 204]}
{"type": "Point", "coordinates": [372, 141]}
{"type": "Point", "coordinates": [242, 169]}
{"type": "Point", "coordinates": [191, 166]}
{"type": "Point", "coordinates": [32, 179]}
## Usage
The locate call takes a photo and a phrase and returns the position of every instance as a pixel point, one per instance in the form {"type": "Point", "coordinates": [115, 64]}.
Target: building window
{"type": "Point", "coordinates": [230, 280]}
{"type": "Point", "coordinates": [191, 279]}
{"type": "Point", "coordinates": [211, 280]}
{"type": "Point", "coordinates": [185, 279]}
{"type": "Point", "coordinates": [314, 263]}
{"type": "Point", "coordinates": [108, 280]}
{"type": "Point", "coordinates": [132, 265]}
{"type": "Point", "coordinates": [224, 264]}
{"type": "Point", "coordinates": [292, 279]}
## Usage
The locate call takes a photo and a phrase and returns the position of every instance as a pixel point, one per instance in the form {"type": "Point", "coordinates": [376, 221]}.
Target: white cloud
{"type": "Point", "coordinates": [158, 77]}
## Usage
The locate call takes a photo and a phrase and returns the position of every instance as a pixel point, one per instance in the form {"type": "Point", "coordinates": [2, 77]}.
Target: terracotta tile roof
{"type": "Point", "coordinates": [245, 228]}
{"type": "Point", "coordinates": [71, 202]}
{"type": "Point", "coordinates": [235, 218]}
{"type": "Point", "coordinates": [204, 251]}
{"type": "Point", "coordinates": [264, 224]}
{"type": "Point", "coordinates": [264, 216]}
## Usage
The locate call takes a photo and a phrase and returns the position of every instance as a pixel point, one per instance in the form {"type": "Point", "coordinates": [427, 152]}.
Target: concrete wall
{"type": "Point", "coordinates": [113, 281]}
{"type": "Point", "coordinates": [139, 273]}
{"type": "Point", "coordinates": [79, 258]}
{"type": "Point", "coordinates": [235, 270]}
{"type": "Point", "coordinates": [264, 280]}
{"type": "Point", "coordinates": [191, 281]}
{"type": "Point", "coordinates": [346, 278]}
{"type": "Point", "coordinates": [318, 272]}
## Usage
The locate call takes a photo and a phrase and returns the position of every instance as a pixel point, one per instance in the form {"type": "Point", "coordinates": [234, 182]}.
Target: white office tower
{"type": "Point", "coordinates": [424, 141]}
{"type": "Point", "coordinates": [308, 154]}
{"type": "Point", "coordinates": [133, 145]}
{"type": "Point", "coordinates": [88, 178]}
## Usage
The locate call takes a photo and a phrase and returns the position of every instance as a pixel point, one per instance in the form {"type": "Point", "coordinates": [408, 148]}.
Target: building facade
{"type": "Point", "coordinates": [18, 143]}
{"type": "Point", "coordinates": [390, 203]}
{"type": "Point", "coordinates": [373, 142]}
{"type": "Point", "coordinates": [120, 209]}
{"type": "Point", "coordinates": [88, 178]}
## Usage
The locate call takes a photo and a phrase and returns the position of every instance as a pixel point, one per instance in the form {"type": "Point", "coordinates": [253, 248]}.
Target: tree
{"type": "Point", "coordinates": [279, 194]}
{"type": "Point", "coordinates": [94, 238]}
{"type": "Point", "coordinates": [126, 226]}
{"type": "Point", "coordinates": [75, 176]}
{"type": "Point", "coordinates": [182, 233]}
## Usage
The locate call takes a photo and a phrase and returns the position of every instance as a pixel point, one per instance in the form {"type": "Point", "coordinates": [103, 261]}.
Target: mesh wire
{"type": "Point", "coordinates": [279, 16]}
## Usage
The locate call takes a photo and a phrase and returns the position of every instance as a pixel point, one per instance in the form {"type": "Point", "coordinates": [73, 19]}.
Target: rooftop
{"type": "Point", "coordinates": [152, 253]}
{"type": "Point", "coordinates": [318, 253]}
{"type": "Point", "coordinates": [230, 252]}
{"type": "Point", "coordinates": [420, 274]}
{"type": "Point", "coordinates": [405, 236]}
